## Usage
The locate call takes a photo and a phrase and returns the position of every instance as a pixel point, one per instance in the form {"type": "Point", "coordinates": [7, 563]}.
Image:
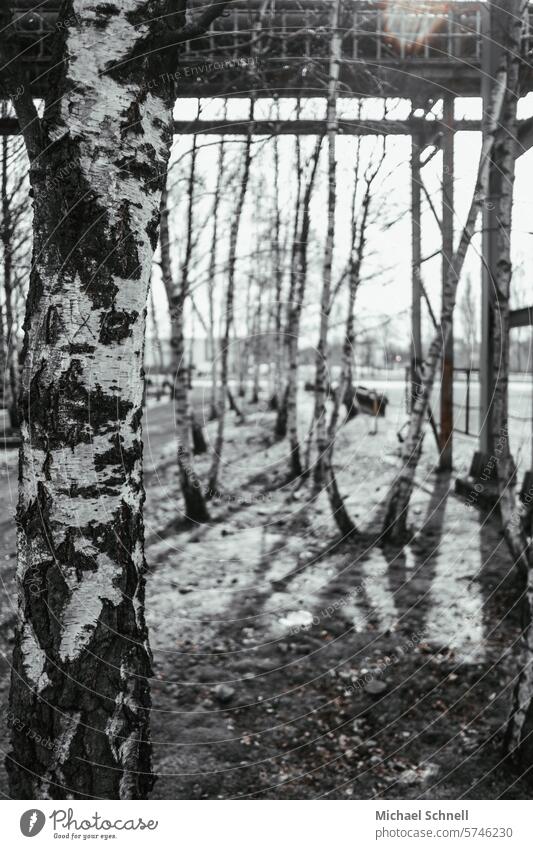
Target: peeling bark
{"type": "Point", "coordinates": [516, 516]}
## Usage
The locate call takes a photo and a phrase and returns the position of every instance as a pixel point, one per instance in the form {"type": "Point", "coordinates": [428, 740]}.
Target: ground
{"type": "Point", "coordinates": [289, 663]}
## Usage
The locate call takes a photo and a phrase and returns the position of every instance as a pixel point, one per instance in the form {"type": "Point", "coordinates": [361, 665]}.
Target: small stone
{"type": "Point", "coordinates": [223, 693]}
{"type": "Point", "coordinates": [375, 688]}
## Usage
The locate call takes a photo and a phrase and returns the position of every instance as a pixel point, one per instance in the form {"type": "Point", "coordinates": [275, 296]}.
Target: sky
{"type": "Point", "coordinates": [384, 300]}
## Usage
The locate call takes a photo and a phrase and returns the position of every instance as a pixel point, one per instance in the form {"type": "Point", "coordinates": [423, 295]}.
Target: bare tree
{"type": "Point", "coordinates": [211, 275]}
{"type": "Point", "coordinates": [296, 299]}
{"type": "Point", "coordinates": [282, 402]}
{"type": "Point", "coordinates": [344, 392]}
{"type": "Point", "coordinates": [177, 292]}
{"type": "Point", "coordinates": [397, 502]}
{"type": "Point", "coordinates": [229, 307]}
{"type": "Point", "coordinates": [81, 663]}
{"type": "Point", "coordinates": [325, 305]}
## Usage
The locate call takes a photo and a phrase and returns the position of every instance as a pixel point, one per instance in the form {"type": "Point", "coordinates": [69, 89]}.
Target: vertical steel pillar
{"type": "Point", "coordinates": [446, 393]}
{"type": "Point", "coordinates": [490, 57]}
{"type": "Point", "coordinates": [416, 256]}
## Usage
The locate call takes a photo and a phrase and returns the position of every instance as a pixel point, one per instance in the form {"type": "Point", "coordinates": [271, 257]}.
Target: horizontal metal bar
{"type": "Point", "coordinates": [348, 127]}
{"type": "Point", "coordinates": [521, 318]}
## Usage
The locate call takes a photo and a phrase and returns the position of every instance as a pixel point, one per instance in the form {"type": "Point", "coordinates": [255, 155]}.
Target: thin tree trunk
{"type": "Point", "coordinates": [195, 506]}
{"type": "Point", "coordinates": [282, 416]}
{"type": "Point", "coordinates": [298, 284]}
{"type": "Point", "coordinates": [278, 277]}
{"type": "Point", "coordinates": [158, 347]}
{"type": "Point", "coordinates": [257, 346]}
{"type": "Point", "coordinates": [400, 493]}
{"type": "Point", "coordinates": [211, 277]}
{"type": "Point", "coordinates": [81, 663]}
{"type": "Point", "coordinates": [325, 304]}
{"type": "Point", "coordinates": [243, 346]}
{"type": "Point", "coordinates": [230, 295]}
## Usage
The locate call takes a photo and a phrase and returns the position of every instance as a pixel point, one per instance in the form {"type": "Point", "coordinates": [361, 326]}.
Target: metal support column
{"type": "Point", "coordinates": [446, 394]}
{"type": "Point", "coordinates": [481, 485]}
{"type": "Point", "coordinates": [490, 57]}
{"type": "Point", "coordinates": [416, 257]}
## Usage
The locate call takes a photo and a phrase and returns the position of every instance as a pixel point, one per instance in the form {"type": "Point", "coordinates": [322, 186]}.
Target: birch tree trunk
{"type": "Point", "coordinates": [283, 402]}
{"type": "Point", "coordinates": [276, 400]}
{"type": "Point", "coordinates": [516, 516]}
{"type": "Point", "coordinates": [176, 291]}
{"type": "Point", "coordinates": [298, 285]}
{"type": "Point", "coordinates": [228, 321]}
{"type": "Point", "coordinates": [397, 503]}
{"type": "Point", "coordinates": [81, 661]}
{"type": "Point", "coordinates": [325, 305]}
{"type": "Point", "coordinates": [211, 277]}
{"type": "Point", "coordinates": [339, 511]}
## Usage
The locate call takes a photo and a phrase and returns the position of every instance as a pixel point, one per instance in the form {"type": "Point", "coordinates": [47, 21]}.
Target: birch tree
{"type": "Point", "coordinates": [82, 663]}
{"type": "Point", "coordinates": [211, 275]}
{"type": "Point", "coordinates": [516, 516]}
{"type": "Point", "coordinates": [177, 291]}
{"type": "Point", "coordinates": [282, 401]}
{"type": "Point", "coordinates": [325, 304]}
{"type": "Point", "coordinates": [229, 308]}
{"type": "Point", "coordinates": [358, 242]}
{"type": "Point", "coordinates": [296, 300]}
{"type": "Point", "coordinates": [398, 498]}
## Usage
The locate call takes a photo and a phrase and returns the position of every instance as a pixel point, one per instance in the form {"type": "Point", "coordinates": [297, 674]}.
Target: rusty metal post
{"type": "Point", "coordinates": [446, 393]}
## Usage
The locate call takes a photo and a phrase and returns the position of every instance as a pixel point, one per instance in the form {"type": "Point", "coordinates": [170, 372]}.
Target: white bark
{"type": "Point", "coordinates": [400, 493]}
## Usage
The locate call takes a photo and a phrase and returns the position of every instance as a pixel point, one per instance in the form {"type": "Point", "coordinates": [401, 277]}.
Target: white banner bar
{"type": "Point", "coordinates": [269, 824]}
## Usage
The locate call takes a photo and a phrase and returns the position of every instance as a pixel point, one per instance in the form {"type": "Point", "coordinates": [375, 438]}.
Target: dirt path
{"type": "Point", "coordinates": [290, 664]}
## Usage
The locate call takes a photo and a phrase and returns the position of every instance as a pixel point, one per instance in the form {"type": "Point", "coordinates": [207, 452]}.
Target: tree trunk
{"type": "Point", "coordinates": [82, 663]}
{"type": "Point", "coordinates": [211, 277]}
{"type": "Point", "coordinates": [283, 404]}
{"type": "Point", "coordinates": [516, 518]}
{"type": "Point", "coordinates": [228, 322]}
{"type": "Point", "coordinates": [278, 277]}
{"type": "Point", "coordinates": [321, 365]}
{"type": "Point", "coordinates": [195, 506]}
{"type": "Point", "coordinates": [298, 284]}
{"type": "Point", "coordinates": [158, 347]}
{"type": "Point", "coordinates": [400, 493]}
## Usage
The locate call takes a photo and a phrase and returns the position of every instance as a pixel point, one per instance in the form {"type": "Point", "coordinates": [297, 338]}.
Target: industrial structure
{"type": "Point", "coordinates": [425, 51]}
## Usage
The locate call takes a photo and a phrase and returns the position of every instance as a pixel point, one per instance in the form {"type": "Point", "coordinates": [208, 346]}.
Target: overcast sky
{"type": "Point", "coordinates": [388, 294]}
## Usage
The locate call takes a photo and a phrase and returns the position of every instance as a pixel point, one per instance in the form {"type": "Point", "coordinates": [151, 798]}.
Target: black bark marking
{"type": "Point", "coordinates": [132, 120]}
{"type": "Point", "coordinates": [115, 326]}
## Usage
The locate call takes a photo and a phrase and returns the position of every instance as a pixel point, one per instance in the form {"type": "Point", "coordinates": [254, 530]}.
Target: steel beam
{"type": "Point", "coordinates": [491, 56]}
{"type": "Point", "coordinates": [521, 318]}
{"type": "Point", "coordinates": [446, 393]}
{"type": "Point", "coordinates": [416, 263]}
